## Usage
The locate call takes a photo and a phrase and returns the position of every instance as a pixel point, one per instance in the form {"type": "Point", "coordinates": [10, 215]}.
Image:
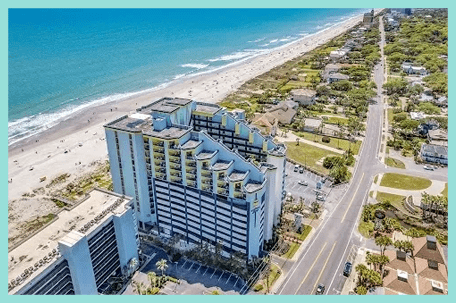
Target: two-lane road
{"type": "Point", "coordinates": [323, 259]}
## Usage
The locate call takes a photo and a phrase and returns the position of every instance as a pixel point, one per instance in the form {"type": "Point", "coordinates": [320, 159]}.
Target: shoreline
{"type": "Point", "coordinates": [45, 151]}
{"type": "Point", "coordinates": [104, 100]}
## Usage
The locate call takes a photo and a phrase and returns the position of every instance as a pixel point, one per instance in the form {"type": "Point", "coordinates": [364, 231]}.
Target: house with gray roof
{"type": "Point", "coordinates": [434, 153]}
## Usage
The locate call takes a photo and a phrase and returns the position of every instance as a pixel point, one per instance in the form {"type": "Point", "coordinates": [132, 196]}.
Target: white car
{"type": "Point", "coordinates": [428, 167]}
{"type": "Point", "coordinates": [321, 198]}
{"type": "Point", "coordinates": [305, 183]}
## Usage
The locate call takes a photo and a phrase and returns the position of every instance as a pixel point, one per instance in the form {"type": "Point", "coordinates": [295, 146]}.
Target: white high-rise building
{"type": "Point", "coordinates": [197, 170]}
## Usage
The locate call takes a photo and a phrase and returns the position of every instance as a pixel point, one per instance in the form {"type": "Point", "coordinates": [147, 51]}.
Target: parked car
{"type": "Point", "coordinates": [296, 168]}
{"type": "Point", "coordinates": [428, 167]}
{"type": "Point", "coordinates": [347, 268]}
{"type": "Point", "coordinates": [320, 289]}
{"type": "Point", "coordinates": [320, 197]}
{"type": "Point", "coordinates": [305, 183]}
{"type": "Point", "coordinates": [301, 170]}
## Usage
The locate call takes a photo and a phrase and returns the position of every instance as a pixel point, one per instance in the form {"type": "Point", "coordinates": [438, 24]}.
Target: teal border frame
{"type": "Point", "coordinates": [210, 4]}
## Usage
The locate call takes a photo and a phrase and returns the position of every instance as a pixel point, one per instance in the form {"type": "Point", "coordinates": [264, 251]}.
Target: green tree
{"type": "Point", "coordinates": [162, 265]}
{"type": "Point", "coordinates": [383, 242]}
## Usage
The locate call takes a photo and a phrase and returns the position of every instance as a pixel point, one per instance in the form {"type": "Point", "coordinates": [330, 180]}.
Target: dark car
{"type": "Point", "coordinates": [320, 289]}
{"type": "Point", "coordinates": [347, 268]}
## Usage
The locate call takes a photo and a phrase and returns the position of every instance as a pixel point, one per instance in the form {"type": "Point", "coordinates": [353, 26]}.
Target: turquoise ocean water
{"type": "Point", "coordinates": [63, 60]}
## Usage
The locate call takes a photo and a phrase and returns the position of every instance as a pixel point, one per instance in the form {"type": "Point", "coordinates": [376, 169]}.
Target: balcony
{"type": "Point", "coordinates": [177, 179]}
{"type": "Point", "coordinates": [191, 163]}
{"type": "Point", "coordinates": [223, 186]}
{"type": "Point", "coordinates": [160, 150]}
{"type": "Point", "coordinates": [206, 177]}
{"type": "Point", "coordinates": [191, 171]}
{"type": "Point", "coordinates": [160, 158]}
{"type": "Point", "coordinates": [222, 192]}
{"type": "Point", "coordinates": [191, 183]}
{"type": "Point", "coordinates": [239, 195]}
{"type": "Point", "coordinates": [206, 187]}
{"type": "Point", "coordinates": [146, 146]}
{"type": "Point", "coordinates": [174, 147]}
{"type": "Point", "coordinates": [192, 178]}
{"type": "Point", "coordinates": [161, 176]}
{"type": "Point", "coordinates": [160, 170]}
{"type": "Point", "coordinates": [159, 143]}
{"type": "Point", "coordinates": [175, 160]}
{"type": "Point", "coordinates": [174, 153]}
{"type": "Point", "coordinates": [207, 182]}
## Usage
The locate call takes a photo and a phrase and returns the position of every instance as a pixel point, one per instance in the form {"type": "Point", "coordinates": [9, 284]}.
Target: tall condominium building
{"type": "Point", "coordinates": [80, 252]}
{"type": "Point", "coordinates": [197, 170]}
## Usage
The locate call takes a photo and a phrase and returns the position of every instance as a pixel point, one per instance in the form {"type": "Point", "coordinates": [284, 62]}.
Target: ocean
{"type": "Point", "coordinates": [61, 61]}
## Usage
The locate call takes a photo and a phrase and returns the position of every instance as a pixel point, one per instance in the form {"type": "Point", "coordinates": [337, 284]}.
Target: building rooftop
{"type": "Point", "coordinates": [222, 165]}
{"type": "Point", "coordinates": [170, 132]}
{"type": "Point", "coordinates": [84, 218]}
{"type": "Point", "coordinates": [191, 144]}
{"type": "Point", "coordinates": [132, 123]}
{"type": "Point", "coordinates": [338, 76]}
{"type": "Point", "coordinates": [253, 186]}
{"type": "Point", "coordinates": [435, 149]}
{"type": "Point", "coordinates": [164, 105]}
{"type": "Point", "coordinates": [438, 134]}
{"type": "Point", "coordinates": [205, 154]}
{"type": "Point", "coordinates": [207, 108]}
{"type": "Point", "coordinates": [303, 92]}
{"type": "Point", "coordinates": [237, 175]}
{"type": "Point", "coordinates": [401, 282]}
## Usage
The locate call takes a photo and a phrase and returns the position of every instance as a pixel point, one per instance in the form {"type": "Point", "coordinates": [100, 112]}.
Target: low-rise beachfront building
{"type": "Point", "coordinates": [303, 96]}
{"type": "Point", "coordinates": [434, 153]}
{"type": "Point", "coordinates": [196, 170]}
{"type": "Point", "coordinates": [81, 251]}
{"type": "Point", "coordinates": [334, 77]}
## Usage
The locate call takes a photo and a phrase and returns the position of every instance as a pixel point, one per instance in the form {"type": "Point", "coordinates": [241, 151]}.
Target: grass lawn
{"type": "Point", "coordinates": [337, 120]}
{"type": "Point", "coordinates": [375, 179]}
{"type": "Point", "coordinates": [390, 116]}
{"type": "Point", "coordinates": [305, 232]}
{"type": "Point", "coordinates": [294, 246]}
{"type": "Point", "coordinates": [445, 191]}
{"type": "Point", "coordinates": [273, 275]}
{"type": "Point", "coordinates": [291, 251]}
{"type": "Point", "coordinates": [308, 155]}
{"type": "Point", "coordinates": [405, 182]}
{"type": "Point", "coordinates": [365, 228]}
{"type": "Point", "coordinates": [394, 163]}
{"type": "Point", "coordinates": [382, 197]}
{"type": "Point", "coordinates": [371, 193]}
{"type": "Point", "coordinates": [335, 143]}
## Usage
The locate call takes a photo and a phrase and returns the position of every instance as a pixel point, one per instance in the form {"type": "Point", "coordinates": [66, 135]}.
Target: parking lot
{"type": "Point", "coordinates": [193, 272]}
{"type": "Point", "coordinates": [309, 192]}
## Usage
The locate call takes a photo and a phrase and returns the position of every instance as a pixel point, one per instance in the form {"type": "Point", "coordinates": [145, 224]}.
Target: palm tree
{"type": "Point", "coordinates": [267, 261]}
{"type": "Point", "coordinates": [139, 287]}
{"type": "Point", "coordinates": [161, 265]}
{"type": "Point", "coordinates": [382, 261]}
{"type": "Point", "coordinates": [152, 278]}
{"type": "Point", "coordinates": [383, 242]}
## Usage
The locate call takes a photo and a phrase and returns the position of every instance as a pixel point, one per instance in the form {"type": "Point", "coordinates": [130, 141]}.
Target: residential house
{"type": "Point", "coordinates": [303, 96]}
{"type": "Point", "coordinates": [442, 101]}
{"type": "Point", "coordinates": [417, 115]}
{"type": "Point", "coordinates": [311, 125]}
{"type": "Point", "coordinates": [410, 69]}
{"type": "Point", "coordinates": [334, 77]}
{"type": "Point", "coordinates": [422, 273]}
{"type": "Point", "coordinates": [438, 137]}
{"type": "Point", "coordinates": [426, 97]}
{"type": "Point", "coordinates": [338, 54]}
{"type": "Point", "coordinates": [434, 153]}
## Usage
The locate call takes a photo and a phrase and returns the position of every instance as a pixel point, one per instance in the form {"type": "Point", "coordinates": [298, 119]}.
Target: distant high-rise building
{"type": "Point", "coordinates": [368, 18]}
{"type": "Point", "coordinates": [199, 171]}
{"type": "Point", "coordinates": [80, 252]}
{"type": "Point", "coordinates": [408, 11]}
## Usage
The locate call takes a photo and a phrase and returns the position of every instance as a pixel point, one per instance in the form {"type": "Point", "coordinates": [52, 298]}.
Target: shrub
{"type": "Point", "coordinates": [326, 139]}
{"type": "Point", "coordinates": [258, 287]}
{"type": "Point", "coordinates": [332, 161]}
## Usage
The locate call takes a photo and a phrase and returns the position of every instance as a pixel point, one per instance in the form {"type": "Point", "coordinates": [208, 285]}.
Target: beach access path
{"type": "Point", "coordinates": [45, 153]}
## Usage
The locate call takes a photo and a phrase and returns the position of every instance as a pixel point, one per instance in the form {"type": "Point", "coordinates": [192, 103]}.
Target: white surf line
{"type": "Point", "coordinates": [348, 242]}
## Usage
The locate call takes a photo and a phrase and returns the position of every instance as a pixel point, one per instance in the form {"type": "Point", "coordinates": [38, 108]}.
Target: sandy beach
{"type": "Point", "coordinates": [82, 136]}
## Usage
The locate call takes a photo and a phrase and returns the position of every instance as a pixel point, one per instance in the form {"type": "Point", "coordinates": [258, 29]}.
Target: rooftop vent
{"type": "Point", "coordinates": [401, 255]}
{"type": "Point", "coordinates": [431, 242]}
{"type": "Point", "coordinates": [433, 264]}
{"type": "Point", "coordinates": [402, 275]}
{"type": "Point", "coordinates": [437, 286]}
